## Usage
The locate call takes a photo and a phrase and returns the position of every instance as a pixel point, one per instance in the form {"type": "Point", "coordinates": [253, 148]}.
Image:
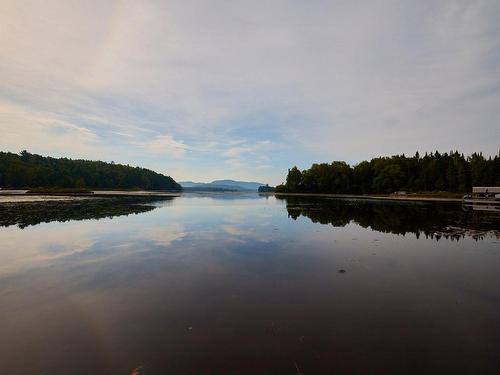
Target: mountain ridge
{"type": "Point", "coordinates": [225, 184]}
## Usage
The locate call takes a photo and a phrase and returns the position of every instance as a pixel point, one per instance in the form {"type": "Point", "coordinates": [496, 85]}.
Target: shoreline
{"type": "Point", "coordinates": [19, 196]}
{"type": "Point", "coordinates": [375, 197]}
{"type": "Point", "coordinates": [15, 195]}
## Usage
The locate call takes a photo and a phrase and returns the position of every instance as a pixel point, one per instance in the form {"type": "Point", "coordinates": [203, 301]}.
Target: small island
{"type": "Point", "coordinates": [266, 189]}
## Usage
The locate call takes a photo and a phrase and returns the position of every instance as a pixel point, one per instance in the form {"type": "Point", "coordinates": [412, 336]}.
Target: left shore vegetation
{"type": "Point", "coordinates": [26, 170]}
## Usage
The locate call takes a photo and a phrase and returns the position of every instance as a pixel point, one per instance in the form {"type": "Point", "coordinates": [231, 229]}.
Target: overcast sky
{"type": "Point", "coordinates": [201, 90]}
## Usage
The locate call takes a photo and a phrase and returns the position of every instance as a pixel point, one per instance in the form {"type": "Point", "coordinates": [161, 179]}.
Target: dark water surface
{"type": "Point", "coordinates": [247, 284]}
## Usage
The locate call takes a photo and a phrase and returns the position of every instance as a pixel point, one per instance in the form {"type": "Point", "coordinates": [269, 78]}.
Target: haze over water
{"type": "Point", "coordinates": [242, 283]}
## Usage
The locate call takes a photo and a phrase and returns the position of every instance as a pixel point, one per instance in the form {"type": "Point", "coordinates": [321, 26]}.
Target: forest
{"type": "Point", "coordinates": [26, 170]}
{"type": "Point", "coordinates": [450, 172]}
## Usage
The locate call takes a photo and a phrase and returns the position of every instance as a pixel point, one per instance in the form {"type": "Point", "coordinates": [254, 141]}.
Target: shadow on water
{"type": "Point", "coordinates": [24, 214]}
{"type": "Point", "coordinates": [434, 220]}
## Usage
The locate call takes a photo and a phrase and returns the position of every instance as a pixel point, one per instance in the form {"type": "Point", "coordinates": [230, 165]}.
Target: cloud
{"type": "Point", "coordinates": [245, 156]}
{"type": "Point", "coordinates": [235, 152]}
{"type": "Point", "coordinates": [43, 132]}
{"type": "Point", "coordinates": [235, 163]}
{"type": "Point", "coordinates": [320, 80]}
{"type": "Point", "coordinates": [264, 166]}
{"type": "Point", "coordinates": [123, 134]}
{"type": "Point", "coordinates": [167, 145]}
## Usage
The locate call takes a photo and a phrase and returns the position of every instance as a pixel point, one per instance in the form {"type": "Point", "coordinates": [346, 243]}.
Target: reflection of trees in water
{"type": "Point", "coordinates": [24, 214]}
{"type": "Point", "coordinates": [434, 220]}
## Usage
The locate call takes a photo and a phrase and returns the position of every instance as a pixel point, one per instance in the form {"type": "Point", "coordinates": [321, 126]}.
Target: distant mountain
{"type": "Point", "coordinates": [229, 185]}
{"type": "Point", "coordinates": [239, 184]}
{"type": "Point", "coordinates": [188, 184]}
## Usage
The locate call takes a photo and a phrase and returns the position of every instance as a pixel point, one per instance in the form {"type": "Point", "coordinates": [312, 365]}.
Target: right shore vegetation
{"type": "Point", "coordinates": [447, 172]}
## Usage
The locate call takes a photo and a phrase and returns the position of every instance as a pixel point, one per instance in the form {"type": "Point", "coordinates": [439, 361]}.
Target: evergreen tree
{"type": "Point", "coordinates": [433, 172]}
{"type": "Point", "coordinates": [30, 170]}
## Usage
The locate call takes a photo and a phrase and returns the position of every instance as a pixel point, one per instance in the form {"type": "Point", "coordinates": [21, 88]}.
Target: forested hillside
{"type": "Point", "coordinates": [27, 170]}
{"type": "Point", "coordinates": [452, 172]}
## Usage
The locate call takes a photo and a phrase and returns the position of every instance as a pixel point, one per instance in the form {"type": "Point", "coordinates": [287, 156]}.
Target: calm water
{"type": "Point", "coordinates": [247, 284]}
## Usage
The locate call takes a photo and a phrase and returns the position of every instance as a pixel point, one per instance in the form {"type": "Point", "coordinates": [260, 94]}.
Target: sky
{"type": "Point", "coordinates": [203, 90]}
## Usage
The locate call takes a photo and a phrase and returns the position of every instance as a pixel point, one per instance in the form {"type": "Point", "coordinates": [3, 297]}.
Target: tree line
{"type": "Point", "coordinates": [451, 172]}
{"type": "Point", "coordinates": [26, 170]}
{"type": "Point", "coordinates": [266, 189]}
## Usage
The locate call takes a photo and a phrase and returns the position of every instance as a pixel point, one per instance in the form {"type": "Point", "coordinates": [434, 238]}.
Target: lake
{"type": "Point", "coordinates": [242, 283]}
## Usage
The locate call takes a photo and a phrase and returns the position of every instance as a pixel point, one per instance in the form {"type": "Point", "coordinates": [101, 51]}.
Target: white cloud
{"type": "Point", "coordinates": [246, 155]}
{"type": "Point", "coordinates": [235, 163]}
{"type": "Point", "coordinates": [358, 79]}
{"type": "Point", "coordinates": [167, 145]}
{"type": "Point", "coordinates": [43, 132]}
{"type": "Point", "coordinates": [235, 152]}
{"type": "Point", "coordinates": [263, 166]}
